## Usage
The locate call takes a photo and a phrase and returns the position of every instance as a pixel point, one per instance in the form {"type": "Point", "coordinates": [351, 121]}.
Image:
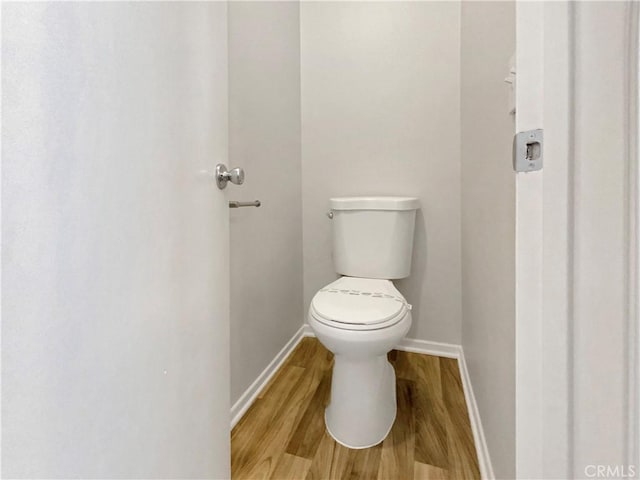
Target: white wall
{"type": "Point", "coordinates": [381, 115]}
{"type": "Point", "coordinates": [488, 223]}
{"type": "Point", "coordinates": [114, 305]}
{"type": "Point", "coordinates": [264, 135]}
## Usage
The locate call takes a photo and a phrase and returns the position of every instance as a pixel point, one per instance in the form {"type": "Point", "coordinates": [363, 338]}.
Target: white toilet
{"type": "Point", "coordinates": [362, 316]}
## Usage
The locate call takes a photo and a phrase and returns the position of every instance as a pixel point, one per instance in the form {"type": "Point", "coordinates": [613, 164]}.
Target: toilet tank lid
{"type": "Point", "coordinates": [374, 203]}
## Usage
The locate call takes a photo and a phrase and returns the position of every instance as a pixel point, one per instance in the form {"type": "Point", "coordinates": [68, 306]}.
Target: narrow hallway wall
{"type": "Point", "coordinates": [488, 223]}
{"type": "Point", "coordinates": [264, 139]}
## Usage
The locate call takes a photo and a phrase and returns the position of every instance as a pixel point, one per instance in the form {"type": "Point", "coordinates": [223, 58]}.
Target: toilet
{"type": "Point", "coordinates": [362, 316]}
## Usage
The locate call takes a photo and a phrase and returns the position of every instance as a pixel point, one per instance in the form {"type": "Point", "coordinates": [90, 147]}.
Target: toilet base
{"type": "Point", "coordinates": [352, 446]}
{"type": "Point", "coordinates": [363, 401]}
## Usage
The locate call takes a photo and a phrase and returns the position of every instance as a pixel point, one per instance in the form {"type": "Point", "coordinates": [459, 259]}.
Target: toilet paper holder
{"type": "Point", "coordinates": [237, 204]}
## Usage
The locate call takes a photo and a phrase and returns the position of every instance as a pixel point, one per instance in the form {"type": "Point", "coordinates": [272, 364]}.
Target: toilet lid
{"type": "Point", "coordinates": [359, 301]}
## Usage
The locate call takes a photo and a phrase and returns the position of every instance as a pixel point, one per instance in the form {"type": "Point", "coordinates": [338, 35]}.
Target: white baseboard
{"type": "Point", "coordinates": [484, 460]}
{"type": "Point", "coordinates": [425, 347]}
{"type": "Point", "coordinates": [408, 345]}
{"type": "Point", "coordinates": [247, 398]}
{"type": "Point", "coordinates": [307, 332]}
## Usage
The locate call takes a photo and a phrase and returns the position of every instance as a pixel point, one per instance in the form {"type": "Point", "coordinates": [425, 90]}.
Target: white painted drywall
{"type": "Point", "coordinates": [264, 133]}
{"type": "Point", "coordinates": [381, 115]}
{"type": "Point", "coordinates": [488, 223]}
{"type": "Point", "coordinates": [114, 299]}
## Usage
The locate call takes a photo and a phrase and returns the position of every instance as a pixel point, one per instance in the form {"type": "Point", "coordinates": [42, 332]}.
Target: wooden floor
{"type": "Point", "coordinates": [282, 435]}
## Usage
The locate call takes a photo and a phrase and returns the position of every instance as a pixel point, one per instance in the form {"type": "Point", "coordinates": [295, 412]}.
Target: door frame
{"type": "Point", "coordinates": [633, 235]}
{"type": "Point", "coordinates": [544, 242]}
{"type": "Point", "coordinates": [543, 206]}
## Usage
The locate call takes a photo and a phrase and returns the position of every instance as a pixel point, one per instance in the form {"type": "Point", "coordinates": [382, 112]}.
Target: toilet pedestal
{"type": "Point", "coordinates": [363, 401]}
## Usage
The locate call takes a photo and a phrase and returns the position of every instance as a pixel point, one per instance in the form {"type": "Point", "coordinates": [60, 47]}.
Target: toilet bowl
{"type": "Point", "coordinates": [361, 316]}
{"type": "Point", "coordinates": [360, 321]}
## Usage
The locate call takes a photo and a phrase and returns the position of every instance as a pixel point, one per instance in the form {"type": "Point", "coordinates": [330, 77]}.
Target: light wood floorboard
{"type": "Point", "coordinates": [282, 435]}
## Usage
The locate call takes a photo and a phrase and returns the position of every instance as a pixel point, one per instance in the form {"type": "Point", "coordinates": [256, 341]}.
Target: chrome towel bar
{"type": "Point", "coordinates": [237, 204]}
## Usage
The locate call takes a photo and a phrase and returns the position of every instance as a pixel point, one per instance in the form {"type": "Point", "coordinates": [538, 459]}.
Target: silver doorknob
{"type": "Point", "coordinates": [223, 176]}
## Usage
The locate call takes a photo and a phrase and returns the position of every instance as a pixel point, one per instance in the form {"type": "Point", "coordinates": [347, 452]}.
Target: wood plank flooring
{"type": "Point", "coordinates": [282, 436]}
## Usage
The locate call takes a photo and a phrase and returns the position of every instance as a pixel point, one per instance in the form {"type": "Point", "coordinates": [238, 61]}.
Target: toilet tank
{"type": "Point", "coordinates": [373, 236]}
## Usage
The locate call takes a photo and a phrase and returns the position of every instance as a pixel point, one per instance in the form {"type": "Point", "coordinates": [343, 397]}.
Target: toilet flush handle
{"type": "Point", "coordinates": [330, 214]}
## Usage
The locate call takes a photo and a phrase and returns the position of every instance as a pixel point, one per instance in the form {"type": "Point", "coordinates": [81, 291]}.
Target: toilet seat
{"type": "Point", "coordinates": [351, 303]}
